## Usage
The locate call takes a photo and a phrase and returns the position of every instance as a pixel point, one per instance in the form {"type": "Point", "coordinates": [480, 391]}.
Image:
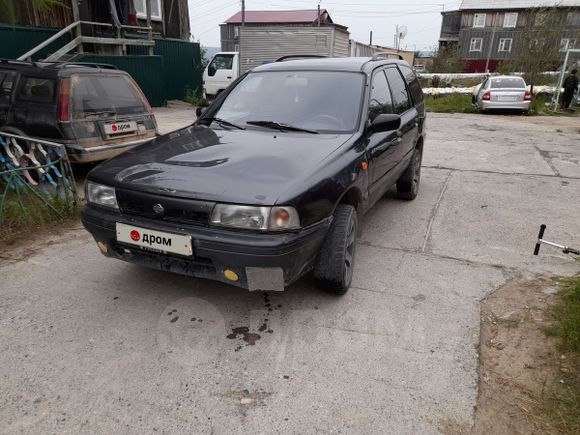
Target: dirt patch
{"type": "Point", "coordinates": [520, 367]}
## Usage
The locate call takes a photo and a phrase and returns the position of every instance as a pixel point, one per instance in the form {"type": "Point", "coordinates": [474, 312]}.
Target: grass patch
{"type": "Point", "coordinates": [563, 403]}
{"type": "Point", "coordinates": [26, 213]}
{"type": "Point", "coordinates": [453, 103]}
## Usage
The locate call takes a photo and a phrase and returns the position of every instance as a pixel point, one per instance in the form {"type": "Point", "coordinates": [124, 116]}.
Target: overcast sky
{"type": "Point", "coordinates": [422, 18]}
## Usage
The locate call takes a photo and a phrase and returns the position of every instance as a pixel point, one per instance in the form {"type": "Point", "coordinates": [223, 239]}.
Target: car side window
{"type": "Point", "coordinates": [380, 101]}
{"type": "Point", "coordinates": [36, 90]}
{"type": "Point", "coordinates": [222, 61]}
{"type": "Point", "coordinates": [401, 102]}
{"type": "Point", "coordinates": [413, 83]}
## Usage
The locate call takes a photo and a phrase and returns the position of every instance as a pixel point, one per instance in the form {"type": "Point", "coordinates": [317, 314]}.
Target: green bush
{"type": "Point", "coordinates": [195, 99]}
{"type": "Point", "coordinates": [452, 103]}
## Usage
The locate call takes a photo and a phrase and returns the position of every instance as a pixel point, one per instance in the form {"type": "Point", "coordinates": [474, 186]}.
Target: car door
{"type": "Point", "coordinates": [220, 73]}
{"type": "Point", "coordinates": [34, 107]}
{"type": "Point", "coordinates": [403, 106]}
{"type": "Point", "coordinates": [381, 146]}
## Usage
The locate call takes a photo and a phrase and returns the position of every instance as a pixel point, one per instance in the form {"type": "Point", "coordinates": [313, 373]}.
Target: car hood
{"type": "Point", "coordinates": [246, 167]}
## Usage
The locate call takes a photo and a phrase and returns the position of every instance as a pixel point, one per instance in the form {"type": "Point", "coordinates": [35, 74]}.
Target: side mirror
{"type": "Point", "coordinates": [385, 122]}
{"type": "Point", "coordinates": [211, 70]}
{"type": "Point", "coordinates": [200, 111]}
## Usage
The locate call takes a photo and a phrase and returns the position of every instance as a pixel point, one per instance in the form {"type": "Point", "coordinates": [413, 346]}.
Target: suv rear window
{"type": "Point", "coordinates": [104, 94]}
{"type": "Point", "coordinates": [36, 90]}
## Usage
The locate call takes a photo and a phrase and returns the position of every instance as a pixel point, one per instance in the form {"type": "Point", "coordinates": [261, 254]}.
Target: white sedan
{"type": "Point", "coordinates": [502, 93]}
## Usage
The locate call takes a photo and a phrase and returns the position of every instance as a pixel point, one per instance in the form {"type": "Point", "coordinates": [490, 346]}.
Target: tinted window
{"type": "Point", "coordinates": [317, 100]}
{"type": "Point", "coordinates": [507, 82]}
{"type": "Point", "coordinates": [36, 90]}
{"type": "Point", "coordinates": [413, 82]}
{"type": "Point", "coordinates": [398, 90]}
{"type": "Point", "coordinates": [95, 94]}
{"type": "Point", "coordinates": [380, 101]}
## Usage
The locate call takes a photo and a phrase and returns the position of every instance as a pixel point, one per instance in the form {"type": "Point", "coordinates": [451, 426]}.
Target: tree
{"type": "Point", "coordinates": [539, 46]}
{"type": "Point", "coordinates": [448, 60]}
{"type": "Point", "coordinates": [8, 7]}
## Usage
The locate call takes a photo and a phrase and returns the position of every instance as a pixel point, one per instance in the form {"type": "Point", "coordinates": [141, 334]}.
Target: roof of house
{"type": "Point", "coordinates": [515, 4]}
{"type": "Point", "coordinates": [267, 17]}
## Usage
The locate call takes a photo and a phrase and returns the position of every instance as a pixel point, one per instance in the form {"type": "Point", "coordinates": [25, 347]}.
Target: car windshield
{"type": "Point", "coordinates": [508, 82]}
{"type": "Point", "coordinates": [321, 101]}
{"type": "Point", "coordinates": [104, 94]}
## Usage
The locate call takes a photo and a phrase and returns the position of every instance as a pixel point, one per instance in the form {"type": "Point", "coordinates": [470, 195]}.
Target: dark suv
{"type": "Point", "coordinates": [96, 110]}
{"type": "Point", "coordinates": [271, 181]}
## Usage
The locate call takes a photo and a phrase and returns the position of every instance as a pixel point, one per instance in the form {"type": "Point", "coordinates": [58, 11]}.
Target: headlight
{"type": "Point", "coordinates": [255, 218]}
{"type": "Point", "coordinates": [101, 195]}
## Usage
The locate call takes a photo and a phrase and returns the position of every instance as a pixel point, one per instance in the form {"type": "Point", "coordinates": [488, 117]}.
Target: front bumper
{"type": "Point", "coordinates": [260, 261]}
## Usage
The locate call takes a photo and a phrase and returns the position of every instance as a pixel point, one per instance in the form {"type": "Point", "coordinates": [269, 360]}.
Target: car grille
{"type": "Point", "coordinates": [178, 210]}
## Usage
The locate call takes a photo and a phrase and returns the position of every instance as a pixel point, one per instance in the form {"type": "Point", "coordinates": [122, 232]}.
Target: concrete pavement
{"type": "Point", "coordinates": [91, 345]}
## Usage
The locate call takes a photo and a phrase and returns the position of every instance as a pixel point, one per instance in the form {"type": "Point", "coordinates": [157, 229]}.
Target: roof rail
{"type": "Point", "coordinates": [299, 56]}
{"type": "Point", "coordinates": [83, 64]}
{"type": "Point", "coordinates": [18, 62]}
{"type": "Point", "coordinates": [387, 55]}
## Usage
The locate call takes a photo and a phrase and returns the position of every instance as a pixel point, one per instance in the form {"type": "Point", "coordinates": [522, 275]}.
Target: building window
{"type": "Point", "coordinates": [479, 20]}
{"type": "Point", "coordinates": [505, 45]}
{"type": "Point", "coordinates": [475, 44]}
{"type": "Point", "coordinates": [236, 31]}
{"type": "Point", "coordinates": [573, 19]}
{"type": "Point", "coordinates": [510, 19]}
{"type": "Point", "coordinates": [141, 5]}
{"type": "Point", "coordinates": [567, 44]}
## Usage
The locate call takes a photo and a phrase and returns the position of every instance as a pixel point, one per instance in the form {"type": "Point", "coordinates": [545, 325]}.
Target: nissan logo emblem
{"type": "Point", "coordinates": [159, 209]}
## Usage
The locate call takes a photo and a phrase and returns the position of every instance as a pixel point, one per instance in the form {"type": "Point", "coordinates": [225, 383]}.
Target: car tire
{"type": "Point", "coordinates": [408, 184]}
{"type": "Point", "coordinates": [334, 266]}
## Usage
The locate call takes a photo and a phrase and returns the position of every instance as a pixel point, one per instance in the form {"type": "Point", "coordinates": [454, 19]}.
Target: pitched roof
{"type": "Point", "coordinates": [515, 4]}
{"type": "Point", "coordinates": [296, 16]}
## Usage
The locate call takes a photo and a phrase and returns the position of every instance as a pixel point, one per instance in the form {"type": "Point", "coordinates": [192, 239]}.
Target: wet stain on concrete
{"type": "Point", "coordinates": [174, 319]}
{"type": "Point", "coordinates": [244, 333]}
{"type": "Point", "coordinates": [419, 298]}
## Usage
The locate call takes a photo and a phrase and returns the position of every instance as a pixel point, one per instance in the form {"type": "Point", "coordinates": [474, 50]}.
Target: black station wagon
{"type": "Point", "coordinates": [273, 178]}
{"type": "Point", "coordinates": [95, 110]}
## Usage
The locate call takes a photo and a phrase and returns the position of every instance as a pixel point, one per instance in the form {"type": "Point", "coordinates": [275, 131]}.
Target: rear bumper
{"type": "Point", "coordinates": [506, 105]}
{"type": "Point", "coordinates": [260, 261]}
{"type": "Point", "coordinates": [79, 154]}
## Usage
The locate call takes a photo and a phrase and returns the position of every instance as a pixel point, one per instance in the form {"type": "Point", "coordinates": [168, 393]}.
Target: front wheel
{"type": "Point", "coordinates": [335, 263]}
{"type": "Point", "coordinates": [408, 184]}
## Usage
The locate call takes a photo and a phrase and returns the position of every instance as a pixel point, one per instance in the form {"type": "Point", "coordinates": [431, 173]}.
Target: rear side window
{"type": "Point", "coordinates": [36, 90]}
{"type": "Point", "coordinates": [413, 82]}
{"type": "Point", "coordinates": [398, 87]}
{"type": "Point", "coordinates": [380, 96]}
{"type": "Point", "coordinates": [507, 82]}
{"type": "Point", "coordinates": [104, 95]}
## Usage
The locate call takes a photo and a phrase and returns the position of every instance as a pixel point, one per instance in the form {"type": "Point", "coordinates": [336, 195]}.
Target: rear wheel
{"type": "Point", "coordinates": [408, 184]}
{"type": "Point", "coordinates": [335, 264]}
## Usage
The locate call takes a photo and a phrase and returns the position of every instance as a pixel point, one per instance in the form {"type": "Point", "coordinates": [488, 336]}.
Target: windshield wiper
{"type": "Point", "coordinates": [280, 126]}
{"type": "Point", "coordinates": [222, 122]}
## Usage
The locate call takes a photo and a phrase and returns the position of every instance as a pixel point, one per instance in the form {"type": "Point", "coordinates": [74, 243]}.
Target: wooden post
{"type": "Point", "coordinates": [77, 17]}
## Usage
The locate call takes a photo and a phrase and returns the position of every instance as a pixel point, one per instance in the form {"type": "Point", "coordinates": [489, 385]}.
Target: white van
{"type": "Point", "coordinates": [223, 69]}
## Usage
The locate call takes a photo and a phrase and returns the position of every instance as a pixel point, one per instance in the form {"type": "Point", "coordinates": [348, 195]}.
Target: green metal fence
{"type": "Point", "coordinates": [170, 74]}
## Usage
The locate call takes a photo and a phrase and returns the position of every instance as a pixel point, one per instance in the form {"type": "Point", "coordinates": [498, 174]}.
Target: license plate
{"type": "Point", "coordinates": [121, 127]}
{"type": "Point", "coordinates": [154, 240]}
{"type": "Point", "coordinates": [507, 98]}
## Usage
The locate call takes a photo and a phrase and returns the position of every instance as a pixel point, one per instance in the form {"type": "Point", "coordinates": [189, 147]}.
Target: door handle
{"type": "Point", "coordinates": [228, 77]}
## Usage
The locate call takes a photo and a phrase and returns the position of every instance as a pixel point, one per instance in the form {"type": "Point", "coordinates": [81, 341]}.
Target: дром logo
{"type": "Point", "coordinates": [135, 236]}
{"type": "Point", "coordinates": [114, 127]}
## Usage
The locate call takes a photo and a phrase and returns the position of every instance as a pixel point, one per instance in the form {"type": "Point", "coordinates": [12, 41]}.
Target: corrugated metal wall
{"type": "Point", "coordinates": [358, 49]}
{"type": "Point", "coordinates": [148, 72]}
{"type": "Point", "coordinates": [260, 45]}
{"type": "Point", "coordinates": [181, 64]}
{"type": "Point", "coordinates": [18, 40]}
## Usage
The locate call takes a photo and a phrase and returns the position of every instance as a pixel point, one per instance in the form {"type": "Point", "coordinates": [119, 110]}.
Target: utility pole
{"type": "Point", "coordinates": [240, 37]}
{"type": "Point", "coordinates": [491, 42]}
{"type": "Point", "coordinates": [149, 31]}
{"type": "Point", "coordinates": [318, 20]}
{"type": "Point", "coordinates": [371, 38]}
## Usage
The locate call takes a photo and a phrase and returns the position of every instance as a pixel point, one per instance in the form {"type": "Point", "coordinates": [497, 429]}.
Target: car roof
{"type": "Point", "coordinates": [348, 64]}
{"type": "Point", "coordinates": [56, 69]}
